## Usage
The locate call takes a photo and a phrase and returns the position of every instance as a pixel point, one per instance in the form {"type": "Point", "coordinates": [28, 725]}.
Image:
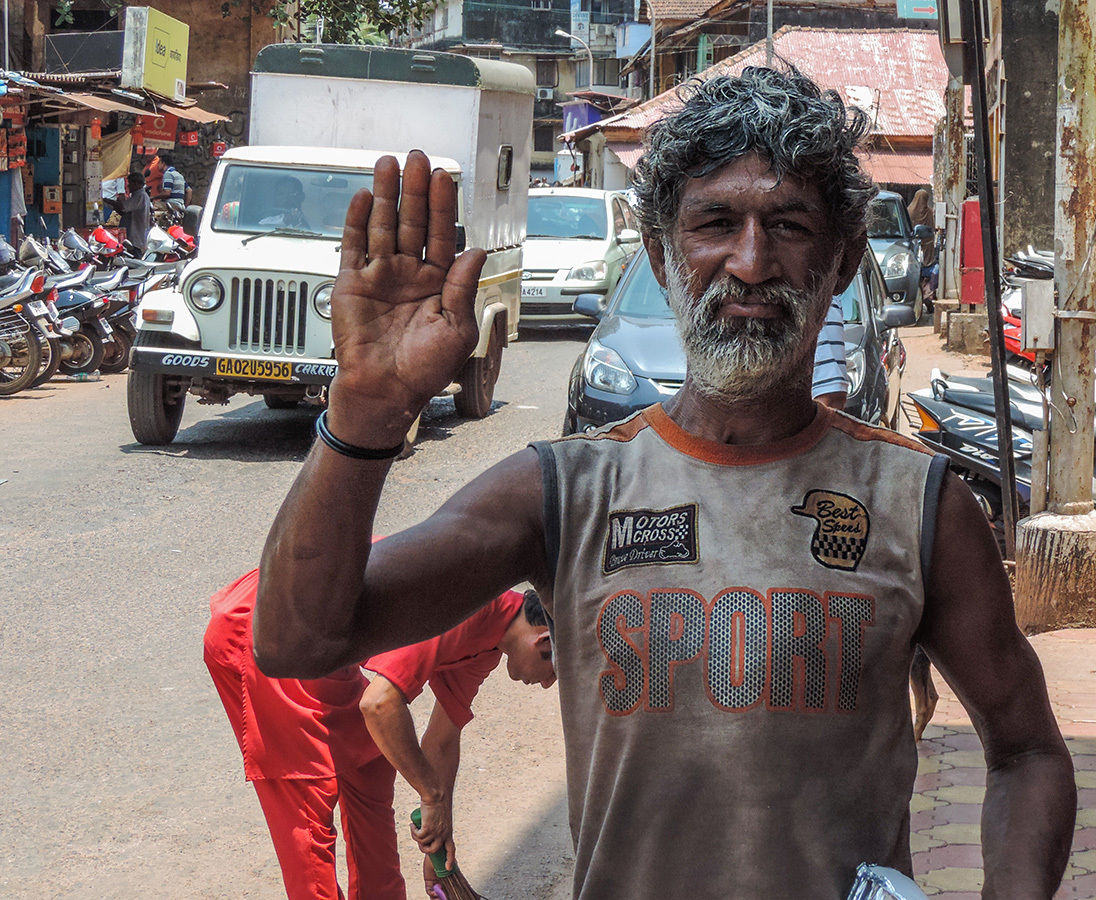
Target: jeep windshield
{"type": "Point", "coordinates": [298, 202]}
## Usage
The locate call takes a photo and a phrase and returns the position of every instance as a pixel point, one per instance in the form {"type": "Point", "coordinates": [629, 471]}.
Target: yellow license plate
{"type": "Point", "coordinates": [254, 368]}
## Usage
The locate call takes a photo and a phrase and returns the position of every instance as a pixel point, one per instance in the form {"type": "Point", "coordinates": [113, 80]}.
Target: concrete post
{"type": "Point", "coordinates": [955, 188]}
{"type": "Point", "coordinates": [1056, 560]}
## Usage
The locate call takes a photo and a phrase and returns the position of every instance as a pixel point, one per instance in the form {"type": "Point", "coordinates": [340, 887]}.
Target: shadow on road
{"type": "Point", "coordinates": [539, 864]}
{"type": "Point", "coordinates": [254, 433]}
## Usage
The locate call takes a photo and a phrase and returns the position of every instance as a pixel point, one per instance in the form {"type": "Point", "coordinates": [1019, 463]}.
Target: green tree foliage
{"type": "Point", "coordinates": [358, 21]}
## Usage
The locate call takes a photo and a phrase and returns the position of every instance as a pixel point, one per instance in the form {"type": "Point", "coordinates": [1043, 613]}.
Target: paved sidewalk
{"type": "Point", "coordinates": [947, 803]}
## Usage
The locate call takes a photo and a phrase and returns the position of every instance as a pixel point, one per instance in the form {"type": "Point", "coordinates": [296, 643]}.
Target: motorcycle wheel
{"type": "Point", "coordinates": [116, 354]}
{"type": "Point", "coordinates": [20, 361]}
{"type": "Point", "coordinates": [51, 360]}
{"type": "Point", "coordinates": [88, 353]}
{"type": "Point", "coordinates": [477, 381]}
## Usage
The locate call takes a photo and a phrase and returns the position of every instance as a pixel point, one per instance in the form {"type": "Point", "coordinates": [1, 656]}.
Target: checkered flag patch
{"type": "Point", "coordinates": [841, 528]}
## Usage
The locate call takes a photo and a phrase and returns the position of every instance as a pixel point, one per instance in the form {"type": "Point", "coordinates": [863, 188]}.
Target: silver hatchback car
{"type": "Point", "coordinates": [578, 241]}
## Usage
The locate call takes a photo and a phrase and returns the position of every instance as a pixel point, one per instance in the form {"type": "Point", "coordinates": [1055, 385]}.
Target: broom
{"type": "Point", "coordinates": [454, 886]}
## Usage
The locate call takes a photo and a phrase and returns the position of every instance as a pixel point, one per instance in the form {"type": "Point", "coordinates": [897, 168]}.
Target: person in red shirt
{"type": "Point", "coordinates": [306, 744]}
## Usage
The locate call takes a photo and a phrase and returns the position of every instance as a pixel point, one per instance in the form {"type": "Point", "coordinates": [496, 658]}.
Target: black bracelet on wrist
{"type": "Point", "coordinates": [345, 449]}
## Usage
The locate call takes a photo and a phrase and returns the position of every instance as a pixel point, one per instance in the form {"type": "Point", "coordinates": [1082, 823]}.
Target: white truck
{"type": "Point", "coordinates": [252, 311]}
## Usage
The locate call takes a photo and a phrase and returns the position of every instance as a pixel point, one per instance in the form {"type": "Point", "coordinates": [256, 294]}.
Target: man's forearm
{"type": "Point", "coordinates": [313, 566]}
{"type": "Point", "coordinates": [393, 729]}
{"type": "Point", "coordinates": [1027, 825]}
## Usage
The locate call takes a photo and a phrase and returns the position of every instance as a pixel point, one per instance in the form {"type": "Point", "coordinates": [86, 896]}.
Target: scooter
{"type": "Point", "coordinates": [20, 349]}
{"type": "Point", "coordinates": [956, 416]}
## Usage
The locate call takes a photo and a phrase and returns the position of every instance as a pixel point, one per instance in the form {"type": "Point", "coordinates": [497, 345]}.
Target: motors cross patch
{"type": "Point", "coordinates": [841, 529]}
{"type": "Point", "coordinates": [650, 537]}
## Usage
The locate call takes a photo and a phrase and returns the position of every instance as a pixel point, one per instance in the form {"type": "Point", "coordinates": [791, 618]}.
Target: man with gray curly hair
{"type": "Point", "coordinates": [736, 577]}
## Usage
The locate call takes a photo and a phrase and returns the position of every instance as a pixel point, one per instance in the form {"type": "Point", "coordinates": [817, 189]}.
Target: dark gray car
{"type": "Point", "coordinates": [897, 247]}
{"type": "Point", "coordinates": [634, 358]}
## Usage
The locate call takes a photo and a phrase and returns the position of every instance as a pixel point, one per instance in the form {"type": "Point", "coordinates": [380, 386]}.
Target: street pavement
{"type": "Point", "coordinates": [951, 777]}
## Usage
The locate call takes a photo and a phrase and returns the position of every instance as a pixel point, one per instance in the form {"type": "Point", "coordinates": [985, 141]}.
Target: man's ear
{"type": "Point", "coordinates": [850, 260]}
{"type": "Point", "coordinates": [657, 256]}
{"type": "Point", "coordinates": [543, 641]}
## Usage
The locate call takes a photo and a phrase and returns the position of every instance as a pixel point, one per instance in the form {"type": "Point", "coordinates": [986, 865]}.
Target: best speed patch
{"type": "Point", "coordinates": [841, 529]}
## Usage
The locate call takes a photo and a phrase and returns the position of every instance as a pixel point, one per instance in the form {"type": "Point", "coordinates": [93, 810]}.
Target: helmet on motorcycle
{"type": "Point", "coordinates": [73, 247]}
{"type": "Point", "coordinates": [105, 239]}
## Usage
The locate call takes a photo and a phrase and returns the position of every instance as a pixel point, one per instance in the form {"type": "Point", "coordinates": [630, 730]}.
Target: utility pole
{"type": "Point", "coordinates": [1056, 559]}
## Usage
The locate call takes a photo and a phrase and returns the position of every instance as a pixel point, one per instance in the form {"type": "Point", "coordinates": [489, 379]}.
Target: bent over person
{"type": "Point", "coordinates": [737, 577]}
{"type": "Point", "coordinates": [307, 746]}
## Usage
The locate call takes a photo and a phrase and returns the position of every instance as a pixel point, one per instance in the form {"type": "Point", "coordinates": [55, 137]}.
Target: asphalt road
{"type": "Point", "coordinates": [120, 775]}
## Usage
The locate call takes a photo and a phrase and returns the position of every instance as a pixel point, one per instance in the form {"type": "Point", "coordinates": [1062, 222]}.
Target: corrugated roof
{"type": "Point", "coordinates": [897, 167]}
{"type": "Point", "coordinates": [673, 10]}
{"type": "Point", "coordinates": [897, 76]}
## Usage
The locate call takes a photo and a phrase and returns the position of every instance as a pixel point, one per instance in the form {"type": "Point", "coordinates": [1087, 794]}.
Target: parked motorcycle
{"type": "Point", "coordinates": [20, 350]}
{"type": "Point", "coordinates": [955, 416]}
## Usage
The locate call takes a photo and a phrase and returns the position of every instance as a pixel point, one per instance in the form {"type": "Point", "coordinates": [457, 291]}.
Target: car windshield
{"type": "Point", "coordinates": [566, 216]}
{"type": "Point", "coordinates": [255, 199]}
{"type": "Point", "coordinates": [885, 219]}
{"type": "Point", "coordinates": [641, 296]}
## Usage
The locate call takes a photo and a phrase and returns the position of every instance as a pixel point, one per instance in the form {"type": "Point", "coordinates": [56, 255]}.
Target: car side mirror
{"type": "Point", "coordinates": [462, 238]}
{"type": "Point", "coordinates": [628, 236]}
{"type": "Point", "coordinates": [897, 315]}
{"type": "Point", "coordinates": [592, 305]}
{"type": "Point", "coordinates": [923, 232]}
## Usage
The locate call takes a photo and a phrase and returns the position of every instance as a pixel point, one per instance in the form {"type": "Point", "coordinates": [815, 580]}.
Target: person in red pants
{"type": "Point", "coordinates": [306, 745]}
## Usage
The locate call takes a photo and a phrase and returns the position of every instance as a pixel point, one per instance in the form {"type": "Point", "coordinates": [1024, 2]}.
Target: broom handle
{"type": "Point", "coordinates": [437, 859]}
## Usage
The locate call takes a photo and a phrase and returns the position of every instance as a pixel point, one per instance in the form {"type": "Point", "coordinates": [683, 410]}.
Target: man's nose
{"type": "Point", "coordinates": [751, 257]}
{"type": "Point", "coordinates": [548, 682]}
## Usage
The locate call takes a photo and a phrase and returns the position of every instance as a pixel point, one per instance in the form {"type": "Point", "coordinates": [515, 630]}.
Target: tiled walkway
{"type": "Point", "coordinates": [946, 807]}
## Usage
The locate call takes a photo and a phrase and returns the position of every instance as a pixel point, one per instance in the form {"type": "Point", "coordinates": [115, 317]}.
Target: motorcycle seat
{"type": "Point", "coordinates": [1030, 419]}
{"type": "Point", "coordinates": [110, 281]}
{"type": "Point", "coordinates": [65, 281]}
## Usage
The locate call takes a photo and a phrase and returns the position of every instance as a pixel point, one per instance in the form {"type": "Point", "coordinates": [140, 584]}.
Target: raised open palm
{"type": "Point", "coordinates": [403, 309]}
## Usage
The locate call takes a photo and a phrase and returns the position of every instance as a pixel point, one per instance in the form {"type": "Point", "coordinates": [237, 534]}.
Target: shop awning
{"type": "Point", "coordinates": [893, 167]}
{"type": "Point", "coordinates": [192, 113]}
{"type": "Point", "coordinates": [100, 103]}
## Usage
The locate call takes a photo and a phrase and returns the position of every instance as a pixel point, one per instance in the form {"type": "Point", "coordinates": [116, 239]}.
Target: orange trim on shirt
{"type": "Point", "coordinates": [861, 431]}
{"type": "Point", "coordinates": [737, 454]}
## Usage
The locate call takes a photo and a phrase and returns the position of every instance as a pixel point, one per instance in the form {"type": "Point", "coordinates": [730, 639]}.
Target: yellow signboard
{"type": "Point", "coordinates": [154, 52]}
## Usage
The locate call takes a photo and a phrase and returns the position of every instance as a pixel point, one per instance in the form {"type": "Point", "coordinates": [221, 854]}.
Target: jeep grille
{"type": "Point", "coordinates": [268, 315]}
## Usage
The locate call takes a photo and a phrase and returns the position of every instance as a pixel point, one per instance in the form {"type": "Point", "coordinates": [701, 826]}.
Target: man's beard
{"type": "Point", "coordinates": [741, 358]}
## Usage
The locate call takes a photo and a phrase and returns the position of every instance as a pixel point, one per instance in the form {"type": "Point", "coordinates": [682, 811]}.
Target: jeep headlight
{"type": "Point", "coordinates": [898, 265]}
{"type": "Point", "coordinates": [206, 293]}
{"type": "Point", "coordinates": [854, 359]}
{"type": "Point", "coordinates": [595, 270]}
{"type": "Point", "coordinates": [605, 370]}
{"type": "Point", "coordinates": [321, 300]}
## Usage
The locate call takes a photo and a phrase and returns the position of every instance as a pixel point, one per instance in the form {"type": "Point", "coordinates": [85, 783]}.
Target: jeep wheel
{"type": "Point", "coordinates": [155, 402]}
{"type": "Point", "coordinates": [477, 380]}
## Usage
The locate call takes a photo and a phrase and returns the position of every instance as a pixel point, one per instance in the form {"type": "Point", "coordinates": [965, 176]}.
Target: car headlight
{"type": "Point", "coordinates": [595, 270]}
{"type": "Point", "coordinates": [605, 370]}
{"type": "Point", "coordinates": [321, 300]}
{"type": "Point", "coordinates": [206, 293]}
{"type": "Point", "coordinates": [854, 359]}
{"type": "Point", "coordinates": [898, 265]}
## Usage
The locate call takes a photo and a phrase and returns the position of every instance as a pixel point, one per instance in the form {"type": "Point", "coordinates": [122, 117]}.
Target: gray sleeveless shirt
{"type": "Point", "coordinates": [733, 630]}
